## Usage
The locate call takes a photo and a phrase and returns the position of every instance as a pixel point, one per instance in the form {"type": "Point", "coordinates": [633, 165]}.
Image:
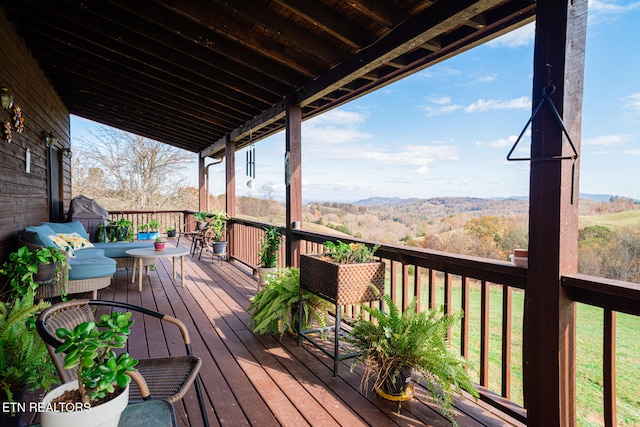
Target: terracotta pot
{"type": "Point", "coordinates": [521, 253]}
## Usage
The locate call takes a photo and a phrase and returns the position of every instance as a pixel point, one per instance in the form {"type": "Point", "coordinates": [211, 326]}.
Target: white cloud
{"type": "Point", "coordinates": [608, 11]}
{"type": "Point", "coordinates": [418, 156]}
{"type": "Point", "coordinates": [633, 152]}
{"type": "Point", "coordinates": [631, 103]}
{"type": "Point", "coordinates": [443, 105]}
{"type": "Point", "coordinates": [335, 128]}
{"type": "Point", "coordinates": [518, 38]}
{"type": "Point", "coordinates": [607, 140]}
{"type": "Point", "coordinates": [499, 143]}
{"type": "Point", "coordinates": [487, 78]}
{"type": "Point", "coordinates": [522, 103]}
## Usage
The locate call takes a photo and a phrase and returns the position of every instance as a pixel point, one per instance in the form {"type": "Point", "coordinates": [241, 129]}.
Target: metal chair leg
{"type": "Point", "coordinates": [203, 408]}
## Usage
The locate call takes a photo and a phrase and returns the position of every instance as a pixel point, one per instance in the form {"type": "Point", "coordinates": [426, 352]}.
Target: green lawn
{"type": "Point", "coordinates": [588, 352]}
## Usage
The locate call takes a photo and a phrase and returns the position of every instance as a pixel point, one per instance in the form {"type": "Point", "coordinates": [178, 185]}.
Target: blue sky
{"type": "Point", "coordinates": [446, 130]}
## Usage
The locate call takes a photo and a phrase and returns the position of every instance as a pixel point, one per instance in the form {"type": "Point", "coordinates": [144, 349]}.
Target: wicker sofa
{"type": "Point", "coordinates": [90, 266]}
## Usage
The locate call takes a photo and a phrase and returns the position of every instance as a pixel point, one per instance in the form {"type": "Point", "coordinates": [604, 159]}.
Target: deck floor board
{"type": "Point", "coordinates": [258, 380]}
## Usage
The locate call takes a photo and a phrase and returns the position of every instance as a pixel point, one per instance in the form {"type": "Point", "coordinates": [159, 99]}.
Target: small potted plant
{"type": "Point", "coordinates": [268, 253]}
{"type": "Point", "coordinates": [119, 230]}
{"type": "Point", "coordinates": [102, 390]}
{"type": "Point", "coordinates": [217, 227]}
{"type": "Point", "coordinates": [171, 231]}
{"type": "Point", "coordinates": [159, 244]}
{"type": "Point", "coordinates": [201, 218]}
{"type": "Point", "coordinates": [25, 364]}
{"type": "Point", "coordinates": [28, 269]}
{"type": "Point", "coordinates": [394, 343]}
{"type": "Point", "coordinates": [154, 226]}
{"type": "Point", "coordinates": [275, 307]}
{"type": "Point", "coordinates": [143, 231]}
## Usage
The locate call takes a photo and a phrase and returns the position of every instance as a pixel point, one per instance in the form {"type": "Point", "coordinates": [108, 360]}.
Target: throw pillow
{"type": "Point", "coordinates": [62, 244]}
{"type": "Point", "coordinates": [75, 240]}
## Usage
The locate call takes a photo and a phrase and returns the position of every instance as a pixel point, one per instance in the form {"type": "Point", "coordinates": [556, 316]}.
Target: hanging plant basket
{"type": "Point", "coordinates": [342, 283]}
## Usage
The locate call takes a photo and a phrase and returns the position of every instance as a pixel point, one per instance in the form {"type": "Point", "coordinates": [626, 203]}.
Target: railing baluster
{"type": "Point", "coordinates": [464, 339]}
{"type": "Point", "coordinates": [447, 299]}
{"type": "Point", "coordinates": [506, 341]}
{"type": "Point", "coordinates": [405, 286]}
{"type": "Point", "coordinates": [609, 368]}
{"type": "Point", "coordinates": [417, 287]}
{"type": "Point", "coordinates": [484, 334]}
{"type": "Point", "coordinates": [432, 288]}
{"type": "Point", "coordinates": [394, 291]}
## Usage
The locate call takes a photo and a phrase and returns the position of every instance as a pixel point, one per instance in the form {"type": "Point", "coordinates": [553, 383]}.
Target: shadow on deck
{"type": "Point", "coordinates": [255, 379]}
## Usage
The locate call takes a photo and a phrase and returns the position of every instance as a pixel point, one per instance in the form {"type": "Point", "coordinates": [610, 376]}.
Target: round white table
{"type": "Point", "coordinates": [142, 253]}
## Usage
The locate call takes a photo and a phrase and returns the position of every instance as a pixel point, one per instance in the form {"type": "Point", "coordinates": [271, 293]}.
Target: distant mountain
{"type": "Point", "coordinates": [397, 201]}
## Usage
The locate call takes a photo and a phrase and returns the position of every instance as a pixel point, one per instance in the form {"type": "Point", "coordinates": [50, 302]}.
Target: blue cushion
{"type": "Point", "coordinates": [117, 249]}
{"type": "Point", "coordinates": [88, 252]}
{"type": "Point", "coordinates": [37, 234]}
{"type": "Point", "coordinates": [67, 228]}
{"type": "Point", "coordinates": [90, 267]}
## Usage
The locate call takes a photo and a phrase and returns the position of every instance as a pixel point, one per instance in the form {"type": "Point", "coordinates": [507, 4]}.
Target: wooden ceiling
{"type": "Point", "coordinates": [189, 72]}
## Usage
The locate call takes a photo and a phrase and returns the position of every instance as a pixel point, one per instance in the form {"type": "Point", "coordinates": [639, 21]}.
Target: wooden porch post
{"type": "Point", "coordinates": [230, 192]}
{"type": "Point", "coordinates": [202, 185]}
{"type": "Point", "coordinates": [293, 180]}
{"type": "Point", "coordinates": [549, 343]}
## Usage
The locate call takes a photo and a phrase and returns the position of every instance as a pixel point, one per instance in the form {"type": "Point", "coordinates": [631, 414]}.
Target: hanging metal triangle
{"type": "Point", "coordinates": [546, 98]}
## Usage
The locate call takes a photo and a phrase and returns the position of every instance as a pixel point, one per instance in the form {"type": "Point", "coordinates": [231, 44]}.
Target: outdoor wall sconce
{"type": "Point", "coordinates": [5, 98]}
{"type": "Point", "coordinates": [67, 153]}
{"type": "Point", "coordinates": [50, 139]}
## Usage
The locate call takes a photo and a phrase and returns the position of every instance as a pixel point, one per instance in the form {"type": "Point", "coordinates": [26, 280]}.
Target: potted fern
{"type": "Point", "coordinates": [102, 390]}
{"type": "Point", "coordinates": [268, 253]}
{"type": "Point", "coordinates": [275, 307]}
{"type": "Point", "coordinates": [25, 364]}
{"type": "Point", "coordinates": [395, 343]}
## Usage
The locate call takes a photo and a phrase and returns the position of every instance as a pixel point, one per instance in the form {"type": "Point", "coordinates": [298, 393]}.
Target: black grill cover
{"type": "Point", "coordinates": [89, 213]}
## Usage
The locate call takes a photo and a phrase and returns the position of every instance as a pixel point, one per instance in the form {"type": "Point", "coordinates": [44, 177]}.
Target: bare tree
{"type": "Point", "coordinates": [122, 170]}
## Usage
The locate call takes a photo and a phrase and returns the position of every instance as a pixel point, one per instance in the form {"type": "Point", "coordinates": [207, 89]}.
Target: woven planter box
{"type": "Point", "coordinates": [342, 283]}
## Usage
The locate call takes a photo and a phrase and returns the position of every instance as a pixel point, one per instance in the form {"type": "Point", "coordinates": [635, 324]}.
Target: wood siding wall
{"type": "Point", "coordinates": [23, 196]}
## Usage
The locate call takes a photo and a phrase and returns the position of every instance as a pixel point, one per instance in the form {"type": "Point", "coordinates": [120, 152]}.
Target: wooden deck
{"type": "Point", "coordinates": [253, 379]}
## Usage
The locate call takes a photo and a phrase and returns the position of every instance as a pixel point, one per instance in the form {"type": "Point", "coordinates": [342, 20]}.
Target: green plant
{"type": "Point", "coordinates": [23, 265]}
{"type": "Point", "coordinates": [24, 361]}
{"type": "Point", "coordinates": [269, 246]}
{"type": "Point", "coordinates": [89, 349]}
{"type": "Point", "coordinates": [143, 228]}
{"type": "Point", "coordinates": [201, 216]}
{"type": "Point", "coordinates": [275, 308]}
{"type": "Point", "coordinates": [170, 228]}
{"type": "Point", "coordinates": [158, 240]}
{"type": "Point", "coordinates": [217, 223]}
{"type": "Point", "coordinates": [154, 224]}
{"type": "Point", "coordinates": [348, 253]}
{"type": "Point", "coordinates": [394, 340]}
{"type": "Point", "coordinates": [116, 230]}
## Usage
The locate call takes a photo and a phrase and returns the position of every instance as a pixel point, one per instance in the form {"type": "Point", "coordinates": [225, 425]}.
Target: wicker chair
{"type": "Point", "coordinates": [167, 378]}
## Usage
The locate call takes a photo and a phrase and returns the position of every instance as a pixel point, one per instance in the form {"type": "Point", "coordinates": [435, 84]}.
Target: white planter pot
{"type": "Point", "coordinates": [264, 272]}
{"type": "Point", "coordinates": [105, 415]}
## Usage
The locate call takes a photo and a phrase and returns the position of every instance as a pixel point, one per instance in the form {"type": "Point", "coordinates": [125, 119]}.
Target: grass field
{"type": "Point", "coordinates": [589, 335]}
{"type": "Point", "coordinates": [614, 220]}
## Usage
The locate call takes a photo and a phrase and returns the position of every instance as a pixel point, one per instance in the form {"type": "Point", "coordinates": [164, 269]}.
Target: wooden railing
{"type": "Point", "coordinates": [439, 278]}
{"type": "Point", "coordinates": [177, 219]}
